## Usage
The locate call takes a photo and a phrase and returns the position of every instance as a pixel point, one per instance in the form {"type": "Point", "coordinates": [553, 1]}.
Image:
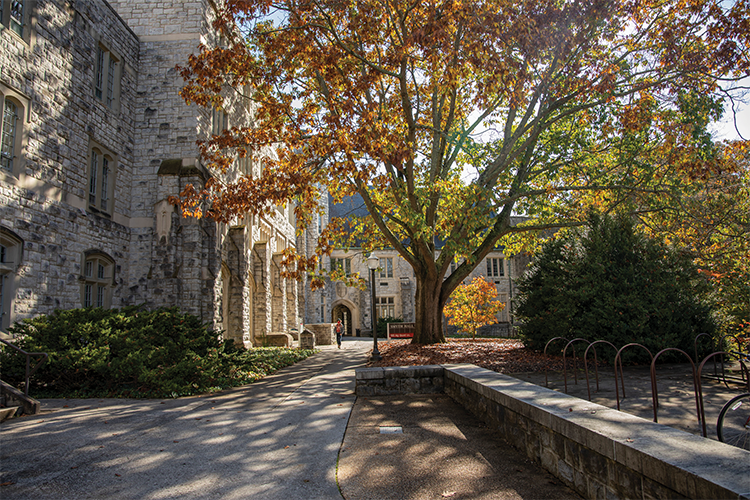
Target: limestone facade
{"type": "Point", "coordinates": [95, 140]}
{"type": "Point", "coordinates": [395, 286]}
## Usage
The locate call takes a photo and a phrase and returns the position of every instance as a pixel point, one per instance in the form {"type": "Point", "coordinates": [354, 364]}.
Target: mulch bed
{"type": "Point", "coordinates": [500, 355]}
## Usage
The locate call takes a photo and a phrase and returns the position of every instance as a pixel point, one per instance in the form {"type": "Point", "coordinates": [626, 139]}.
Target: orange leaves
{"type": "Point", "coordinates": [474, 305]}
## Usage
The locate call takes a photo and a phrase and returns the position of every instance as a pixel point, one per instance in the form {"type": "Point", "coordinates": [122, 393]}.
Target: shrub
{"type": "Point", "coordinates": [133, 352]}
{"type": "Point", "coordinates": [382, 327]}
{"type": "Point", "coordinates": [609, 282]}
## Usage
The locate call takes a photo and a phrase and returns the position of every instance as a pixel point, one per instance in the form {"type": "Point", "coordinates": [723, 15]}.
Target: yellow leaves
{"type": "Point", "coordinates": [473, 305]}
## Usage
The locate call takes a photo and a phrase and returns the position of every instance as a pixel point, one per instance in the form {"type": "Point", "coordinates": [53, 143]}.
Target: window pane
{"type": "Point", "coordinates": [87, 296]}
{"type": "Point", "coordinates": [92, 182]}
{"type": "Point", "coordinates": [489, 267]}
{"type": "Point", "coordinates": [88, 269]}
{"type": "Point", "coordinates": [2, 298]}
{"type": "Point", "coordinates": [111, 81]}
{"type": "Point", "coordinates": [2, 254]}
{"type": "Point", "coordinates": [99, 296]}
{"type": "Point", "coordinates": [100, 272]}
{"type": "Point", "coordinates": [105, 183]}
{"type": "Point", "coordinates": [10, 116]}
{"type": "Point", "coordinates": [16, 16]}
{"type": "Point", "coordinates": [99, 75]}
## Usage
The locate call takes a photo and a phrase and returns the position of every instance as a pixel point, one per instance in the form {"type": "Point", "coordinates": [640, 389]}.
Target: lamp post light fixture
{"type": "Point", "coordinates": [373, 262]}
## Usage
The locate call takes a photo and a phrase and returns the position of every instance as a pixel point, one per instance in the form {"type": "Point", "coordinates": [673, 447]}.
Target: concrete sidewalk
{"type": "Point", "coordinates": [424, 447]}
{"type": "Point", "coordinates": [276, 439]}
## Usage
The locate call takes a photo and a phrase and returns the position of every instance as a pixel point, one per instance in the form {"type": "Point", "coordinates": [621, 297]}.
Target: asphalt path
{"type": "Point", "coordinates": [278, 438]}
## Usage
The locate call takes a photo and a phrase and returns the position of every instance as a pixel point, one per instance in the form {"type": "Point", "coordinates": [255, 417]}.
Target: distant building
{"type": "Point", "coordinates": [396, 284]}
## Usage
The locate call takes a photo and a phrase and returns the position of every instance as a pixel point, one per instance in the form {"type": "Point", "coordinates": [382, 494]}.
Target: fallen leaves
{"type": "Point", "coordinates": [499, 355]}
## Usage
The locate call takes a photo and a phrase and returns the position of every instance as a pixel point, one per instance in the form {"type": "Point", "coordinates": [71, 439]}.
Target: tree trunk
{"type": "Point", "coordinates": [429, 311]}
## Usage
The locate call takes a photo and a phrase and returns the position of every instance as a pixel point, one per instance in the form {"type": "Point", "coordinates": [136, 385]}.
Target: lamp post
{"type": "Point", "coordinates": [373, 261]}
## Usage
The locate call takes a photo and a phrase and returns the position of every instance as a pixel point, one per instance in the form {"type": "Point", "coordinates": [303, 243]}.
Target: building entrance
{"type": "Point", "coordinates": [341, 312]}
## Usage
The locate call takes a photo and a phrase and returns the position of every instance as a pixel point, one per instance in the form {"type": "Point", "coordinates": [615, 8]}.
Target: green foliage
{"type": "Point", "coordinates": [609, 282]}
{"type": "Point", "coordinates": [382, 327]}
{"type": "Point", "coordinates": [134, 353]}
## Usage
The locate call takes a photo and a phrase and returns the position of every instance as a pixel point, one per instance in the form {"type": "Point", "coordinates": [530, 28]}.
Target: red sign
{"type": "Point", "coordinates": [400, 330]}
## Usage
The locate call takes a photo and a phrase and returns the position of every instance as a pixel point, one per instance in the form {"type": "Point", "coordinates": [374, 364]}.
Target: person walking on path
{"type": "Point", "coordinates": [339, 332]}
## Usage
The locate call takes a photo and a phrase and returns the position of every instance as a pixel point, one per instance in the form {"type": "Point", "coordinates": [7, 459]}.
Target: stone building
{"type": "Point", "coordinates": [95, 138]}
{"type": "Point", "coordinates": [395, 284]}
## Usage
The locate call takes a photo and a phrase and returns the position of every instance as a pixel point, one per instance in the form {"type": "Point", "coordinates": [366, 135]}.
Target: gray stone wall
{"type": "Point", "coordinates": [44, 199]}
{"type": "Point", "coordinates": [161, 258]}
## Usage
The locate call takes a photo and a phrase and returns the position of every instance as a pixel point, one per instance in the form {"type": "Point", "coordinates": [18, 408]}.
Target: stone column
{"type": "Point", "coordinates": [279, 301]}
{"type": "Point", "coordinates": [262, 297]}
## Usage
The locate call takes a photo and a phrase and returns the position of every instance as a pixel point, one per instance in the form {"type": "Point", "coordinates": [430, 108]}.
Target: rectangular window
{"type": "Point", "coordinates": [219, 121]}
{"type": "Point", "coordinates": [99, 75]}
{"type": "Point", "coordinates": [343, 264]}
{"type": "Point", "coordinates": [495, 268]}
{"type": "Point", "coordinates": [385, 307]}
{"type": "Point", "coordinates": [101, 179]}
{"type": "Point", "coordinates": [88, 271]}
{"type": "Point", "coordinates": [111, 81]}
{"type": "Point", "coordinates": [2, 299]}
{"type": "Point", "coordinates": [10, 119]}
{"type": "Point", "coordinates": [99, 296]}
{"type": "Point", "coordinates": [87, 295]}
{"type": "Point", "coordinates": [16, 16]}
{"type": "Point", "coordinates": [106, 77]}
{"type": "Point", "coordinates": [104, 202]}
{"type": "Point", "coordinates": [2, 254]}
{"type": "Point", "coordinates": [386, 267]}
{"type": "Point", "coordinates": [92, 180]}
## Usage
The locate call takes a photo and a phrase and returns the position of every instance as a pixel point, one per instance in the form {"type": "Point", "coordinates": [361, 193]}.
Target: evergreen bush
{"type": "Point", "coordinates": [132, 352]}
{"type": "Point", "coordinates": [610, 282]}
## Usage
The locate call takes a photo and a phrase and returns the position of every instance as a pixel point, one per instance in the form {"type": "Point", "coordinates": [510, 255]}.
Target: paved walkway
{"type": "Point", "coordinates": [279, 438]}
{"type": "Point", "coordinates": [276, 439]}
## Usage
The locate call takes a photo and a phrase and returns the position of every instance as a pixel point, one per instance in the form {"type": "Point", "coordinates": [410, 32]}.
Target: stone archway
{"type": "Point", "coordinates": [343, 313]}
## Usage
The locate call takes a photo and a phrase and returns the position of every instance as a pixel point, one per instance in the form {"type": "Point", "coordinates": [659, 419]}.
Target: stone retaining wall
{"type": "Point", "coordinates": [597, 451]}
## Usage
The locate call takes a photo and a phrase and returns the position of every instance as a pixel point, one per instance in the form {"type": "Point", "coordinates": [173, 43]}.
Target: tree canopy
{"type": "Point", "coordinates": [447, 117]}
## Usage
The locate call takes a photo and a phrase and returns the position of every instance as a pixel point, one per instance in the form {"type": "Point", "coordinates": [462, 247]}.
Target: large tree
{"type": "Point", "coordinates": [449, 116]}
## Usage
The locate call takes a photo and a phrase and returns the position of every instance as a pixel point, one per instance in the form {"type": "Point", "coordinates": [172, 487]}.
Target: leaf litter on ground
{"type": "Point", "coordinates": [499, 355]}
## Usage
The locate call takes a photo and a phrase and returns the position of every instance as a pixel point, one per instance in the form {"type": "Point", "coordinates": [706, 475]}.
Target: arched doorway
{"type": "Point", "coordinates": [341, 312]}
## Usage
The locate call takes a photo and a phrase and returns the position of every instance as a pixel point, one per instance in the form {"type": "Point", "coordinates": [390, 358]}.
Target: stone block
{"type": "Point", "coordinates": [368, 373]}
{"type": "Point", "coordinates": [275, 339]}
{"type": "Point", "coordinates": [307, 340]}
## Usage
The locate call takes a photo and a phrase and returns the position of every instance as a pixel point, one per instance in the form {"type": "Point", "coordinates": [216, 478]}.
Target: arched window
{"type": "Point", "coordinates": [11, 249]}
{"type": "Point", "coordinates": [97, 278]}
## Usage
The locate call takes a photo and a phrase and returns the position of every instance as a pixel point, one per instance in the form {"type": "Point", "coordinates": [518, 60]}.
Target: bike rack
{"type": "Point", "coordinates": [654, 389]}
{"type": "Point", "coordinates": [596, 365]}
{"type": "Point", "coordinates": [713, 348]}
{"type": "Point", "coordinates": [546, 382]}
{"type": "Point", "coordinates": [575, 363]}
{"type": "Point", "coordinates": [618, 357]}
{"type": "Point", "coordinates": [744, 370]}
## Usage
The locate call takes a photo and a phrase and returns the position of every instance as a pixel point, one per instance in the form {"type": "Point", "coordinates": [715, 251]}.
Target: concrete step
{"type": "Point", "coordinates": [8, 412]}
